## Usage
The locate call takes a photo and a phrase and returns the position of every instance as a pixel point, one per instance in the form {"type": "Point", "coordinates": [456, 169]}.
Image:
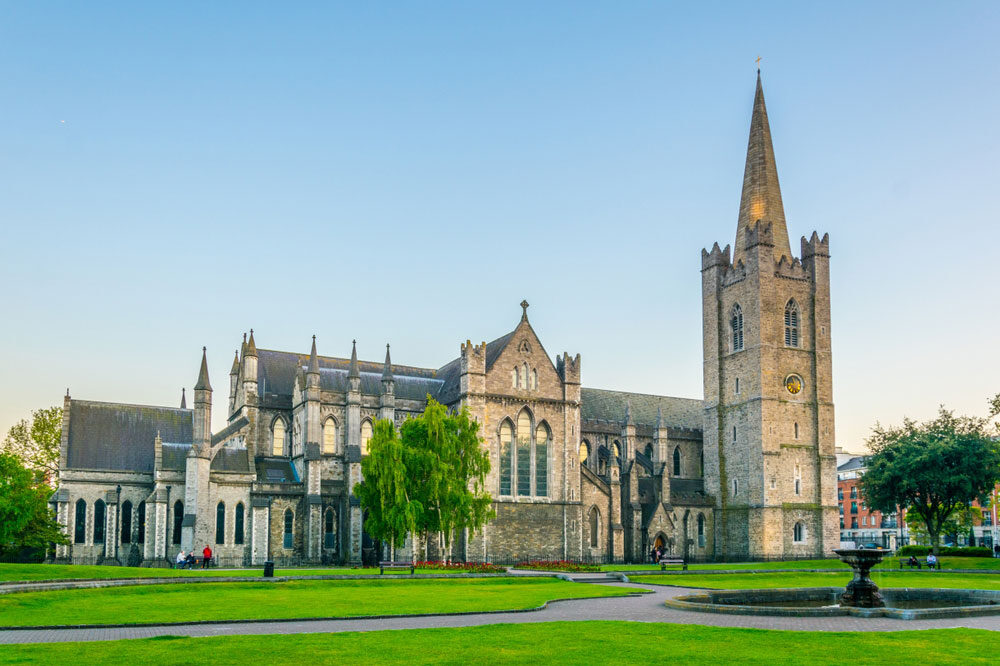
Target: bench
{"type": "Point", "coordinates": [908, 563]}
{"type": "Point", "coordinates": [664, 561]}
{"type": "Point", "coordinates": [395, 566]}
{"type": "Point", "coordinates": [936, 565]}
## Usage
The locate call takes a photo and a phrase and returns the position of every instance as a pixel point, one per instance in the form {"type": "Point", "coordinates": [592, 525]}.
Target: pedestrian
{"type": "Point", "coordinates": [996, 550]}
{"type": "Point", "coordinates": [208, 557]}
{"type": "Point", "coordinates": [181, 560]}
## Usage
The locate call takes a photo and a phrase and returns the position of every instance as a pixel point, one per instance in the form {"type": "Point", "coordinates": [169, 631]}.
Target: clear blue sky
{"type": "Point", "coordinates": [173, 175]}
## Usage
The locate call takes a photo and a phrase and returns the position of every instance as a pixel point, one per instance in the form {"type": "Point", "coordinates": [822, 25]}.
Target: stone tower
{"type": "Point", "coordinates": [768, 438]}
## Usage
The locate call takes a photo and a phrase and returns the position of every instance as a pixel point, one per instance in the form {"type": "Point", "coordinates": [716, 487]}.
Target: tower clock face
{"type": "Point", "coordinates": [793, 383]}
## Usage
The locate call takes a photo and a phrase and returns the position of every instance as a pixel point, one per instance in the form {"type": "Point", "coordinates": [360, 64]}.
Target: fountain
{"type": "Point", "coordinates": [861, 592]}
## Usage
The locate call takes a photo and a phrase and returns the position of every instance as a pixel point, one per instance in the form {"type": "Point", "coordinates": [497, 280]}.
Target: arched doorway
{"type": "Point", "coordinates": [371, 548]}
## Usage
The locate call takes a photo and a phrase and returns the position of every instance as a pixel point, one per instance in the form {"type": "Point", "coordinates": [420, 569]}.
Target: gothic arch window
{"type": "Point", "coordinates": [617, 452]}
{"type": "Point", "coordinates": [506, 457]}
{"type": "Point", "coordinates": [584, 451]}
{"type": "Point", "coordinates": [649, 451]}
{"type": "Point", "coordinates": [798, 481]}
{"type": "Point", "coordinates": [542, 437]}
{"type": "Point", "coordinates": [799, 533]}
{"type": "Point", "coordinates": [220, 523]}
{"type": "Point", "coordinates": [238, 525]}
{"type": "Point", "coordinates": [329, 435]}
{"type": "Point", "coordinates": [736, 325]}
{"type": "Point", "coordinates": [80, 524]}
{"type": "Point", "coordinates": [701, 531]}
{"type": "Point", "coordinates": [533, 383]}
{"type": "Point", "coordinates": [178, 521]}
{"type": "Point", "coordinates": [791, 324]}
{"type": "Point", "coordinates": [126, 522]}
{"type": "Point", "coordinates": [278, 437]}
{"type": "Point", "coordinates": [796, 431]}
{"type": "Point", "coordinates": [523, 458]}
{"type": "Point", "coordinates": [329, 530]}
{"type": "Point", "coordinates": [677, 461]}
{"type": "Point", "coordinates": [515, 378]}
{"type": "Point", "coordinates": [595, 526]}
{"type": "Point", "coordinates": [140, 537]}
{"type": "Point", "coordinates": [524, 375]}
{"type": "Point", "coordinates": [100, 517]}
{"type": "Point", "coordinates": [366, 435]}
{"type": "Point", "coordinates": [289, 523]}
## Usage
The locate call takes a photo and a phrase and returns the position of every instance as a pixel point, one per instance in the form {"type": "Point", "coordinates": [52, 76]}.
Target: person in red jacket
{"type": "Point", "coordinates": [208, 557]}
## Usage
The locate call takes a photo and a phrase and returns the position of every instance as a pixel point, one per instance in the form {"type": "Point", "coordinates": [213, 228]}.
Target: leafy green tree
{"type": "Point", "coordinates": [37, 443]}
{"type": "Point", "coordinates": [428, 478]}
{"type": "Point", "coordinates": [25, 518]}
{"type": "Point", "coordinates": [933, 469]}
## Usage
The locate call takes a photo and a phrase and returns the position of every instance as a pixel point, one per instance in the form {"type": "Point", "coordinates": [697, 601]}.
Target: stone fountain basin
{"type": "Point", "coordinates": [904, 603]}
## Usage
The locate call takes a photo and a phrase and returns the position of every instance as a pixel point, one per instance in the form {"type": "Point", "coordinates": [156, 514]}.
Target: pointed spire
{"type": "Point", "coordinates": [313, 360]}
{"type": "Point", "coordinates": [184, 404]}
{"type": "Point", "coordinates": [251, 346]}
{"type": "Point", "coordinates": [203, 383]}
{"type": "Point", "coordinates": [235, 370]}
{"type": "Point", "coordinates": [354, 372]}
{"type": "Point", "coordinates": [761, 198]}
{"type": "Point", "coordinates": [243, 347]}
{"type": "Point", "coordinates": [387, 369]}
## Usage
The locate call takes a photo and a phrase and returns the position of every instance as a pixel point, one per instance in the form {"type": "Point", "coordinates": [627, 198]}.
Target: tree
{"type": "Point", "coordinates": [933, 469]}
{"type": "Point", "coordinates": [429, 477]}
{"type": "Point", "coordinates": [36, 443]}
{"type": "Point", "coordinates": [25, 518]}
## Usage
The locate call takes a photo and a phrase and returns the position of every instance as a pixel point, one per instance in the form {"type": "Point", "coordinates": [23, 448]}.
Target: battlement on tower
{"type": "Point", "coordinates": [790, 268]}
{"type": "Point", "coordinates": [716, 257]}
{"type": "Point", "coordinates": [473, 357]}
{"type": "Point", "coordinates": [759, 233]}
{"type": "Point", "coordinates": [815, 246]}
{"type": "Point", "coordinates": [568, 368]}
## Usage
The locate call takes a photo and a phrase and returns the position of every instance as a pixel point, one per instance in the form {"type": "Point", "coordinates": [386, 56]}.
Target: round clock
{"type": "Point", "coordinates": [793, 383]}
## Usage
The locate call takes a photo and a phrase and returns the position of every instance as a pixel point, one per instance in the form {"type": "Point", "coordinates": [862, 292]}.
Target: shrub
{"type": "Point", "coordinates": [960, 551]}
{"type": "Point", "coordinates": [557, 565]}
{"type": "Point", "coordinates": [464, 567]}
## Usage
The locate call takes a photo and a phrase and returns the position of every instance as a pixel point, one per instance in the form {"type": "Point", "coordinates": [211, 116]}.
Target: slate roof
{"type": "Point", "coordinates": [225, 460]}
{"type": "Point", "coordinates": [688, 492]}
{"type": "Point", "coordinates": [276, 372]}
{"type": "Point", "coordinates": [857, 462]}
{"type": "Point", "coordinates": [116, 436]}
{"type": "Point", "coordinates": [275, 470]}
{"type": "Point", "coordinates": [601, 404]}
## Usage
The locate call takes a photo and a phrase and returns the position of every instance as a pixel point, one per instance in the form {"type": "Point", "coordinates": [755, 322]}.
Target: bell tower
{"type": "Point", "coordinates": [768, 435]}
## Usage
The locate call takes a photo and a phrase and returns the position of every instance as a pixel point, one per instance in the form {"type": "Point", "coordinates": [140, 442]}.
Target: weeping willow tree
{"type": "Point", "coordinates": [427, 478]}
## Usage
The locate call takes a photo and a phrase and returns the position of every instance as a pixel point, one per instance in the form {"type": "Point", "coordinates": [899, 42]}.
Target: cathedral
{"type": "Point", "coordinates": [577, 473]}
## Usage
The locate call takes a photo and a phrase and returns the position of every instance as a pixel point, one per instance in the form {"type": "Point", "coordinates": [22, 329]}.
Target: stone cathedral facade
{"type": "Point", "coordinates": [577, 472]}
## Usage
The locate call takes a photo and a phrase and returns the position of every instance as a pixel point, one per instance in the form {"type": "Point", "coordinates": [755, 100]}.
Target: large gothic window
{"type": "Point", "coordinates": [278, 438]}
{"type": "Point", "coordinates": [220, 523]}
{"type": "Point", "coordinates": [330, 436]}
{"type": "Point", "coordinates": [677, 461]}
{"type": "Point", "coordinates": [140, 537]}
{"type": "Point", "coordinates": [238, 525]}
{"type": "Point", "coordinates": [329, 530]}
{"type": "Point", "coordinates": [289, 522]}
{"type": "Point", "coordinates": [126, 520]}
{"type": "Point", "coordinates": [791, 324]}
{"type": "Point", "coordinates": [178, 520]}
{"type": "Point", "coordinates": [736, 324]}
{"type": "Point", "coordinates": [366, 436]}
{"type": "Point", "coordinates": [595, 524]}
{"type": "Point", "coordinates": [542, 460]}
{"type": "Point", "coordinates": [506, 457]}
{"type": "Point", "coordinates": [524, 453]}
{"type": "Point", "coordinates": [100, 516]}
{"type": "Point", "coordinates": [80, 524]}
{"type": "Point", "coordinates": [584, 451]}
{"type": "Point", "coordinates": [701, 531]}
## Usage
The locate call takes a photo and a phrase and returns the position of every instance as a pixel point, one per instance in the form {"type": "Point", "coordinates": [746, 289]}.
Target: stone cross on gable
{"type": "Point", "coordinates": [524, 309]}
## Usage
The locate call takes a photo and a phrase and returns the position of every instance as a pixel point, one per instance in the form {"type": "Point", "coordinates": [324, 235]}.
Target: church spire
{"type": "Point", "coordinates": [183, 399]}
{"type": "Point", "coordinates": [203, 383]}
{"type": "Point", "coordinates": [387, 368]}
{"type": "Point", "coordinates": [353, 371]}
{"type": "Point", "coordinates": [313, 359]}
{"type": "Point", "coordinates": [761, 199]}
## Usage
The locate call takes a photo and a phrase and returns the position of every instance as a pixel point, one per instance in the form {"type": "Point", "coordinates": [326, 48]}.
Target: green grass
{"type": "Point", "coordinates": [312, 598]}
{"type": "Point", "coordinates": [807, 579]}
{"type": "Point", "coordinates": [544, 643]}
{"type": "Point", "coordinates": [19, 572]}
{"type": "Point", "coordinates": [987, 563]}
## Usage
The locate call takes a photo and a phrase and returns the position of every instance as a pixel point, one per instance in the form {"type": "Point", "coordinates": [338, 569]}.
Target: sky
{"type": "Point", "coordinates": [172, 175]}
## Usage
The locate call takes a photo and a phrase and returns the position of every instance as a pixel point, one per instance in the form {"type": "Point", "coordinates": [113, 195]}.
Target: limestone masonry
{"type": "Point", "coordinates": [577, 473]}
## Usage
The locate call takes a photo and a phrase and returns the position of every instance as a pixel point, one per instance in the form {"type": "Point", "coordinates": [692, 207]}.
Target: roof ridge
{"type": "Point", "coordinates": [649, 395]}
{"type": "Point", "coordinates": [128, 404]}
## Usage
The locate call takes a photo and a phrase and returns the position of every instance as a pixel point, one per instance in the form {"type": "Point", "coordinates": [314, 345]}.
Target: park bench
{"type": "Point", "coordinates": [664, 561]}
{"type": "Point", "coordinates": [395, 566]}
{"type": "Point", "coordinates": [936, 565]}
{"type": "Point", "coordinates": [905, 562]}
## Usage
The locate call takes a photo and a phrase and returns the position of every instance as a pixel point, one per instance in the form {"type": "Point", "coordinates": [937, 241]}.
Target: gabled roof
{"type": "Point", "coordinates": [604, 405]}
{"type": "Point", "coordinates": [857, 462]}
{"type": "Point", "coordinates": [117, 436]}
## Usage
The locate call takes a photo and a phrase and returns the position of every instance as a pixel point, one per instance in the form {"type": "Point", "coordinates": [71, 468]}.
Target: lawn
{"type": "Point", "coordinates": [887, 563]}
{"type": "Point", "coordinates": [146, 604]}
{"type": "Point", "coordinates": [807, 579]}
{"type": "Point", "coordinates": [543, 643]}
{"type": "Point", "coordinates": [18, 572]}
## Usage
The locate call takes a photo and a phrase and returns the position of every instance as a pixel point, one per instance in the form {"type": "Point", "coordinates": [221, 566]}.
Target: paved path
{"type": "Point", "coordinates": [646, 608]}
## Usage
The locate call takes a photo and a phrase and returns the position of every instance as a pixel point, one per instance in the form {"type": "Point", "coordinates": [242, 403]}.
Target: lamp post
{"type": "Point", "coordinates": [118, 520]}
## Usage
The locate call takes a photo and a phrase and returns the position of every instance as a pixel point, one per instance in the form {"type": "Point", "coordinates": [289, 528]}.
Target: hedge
{"type": "Point", "coordinates": [960, 551]}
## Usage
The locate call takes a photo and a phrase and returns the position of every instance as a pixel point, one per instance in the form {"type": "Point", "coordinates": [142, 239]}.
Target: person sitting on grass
{"type": "Point", "coordinates": [207, 553]}
{"type": "Point", "coordinates": [181, 560]}
{"type": "Point", "coordinates": [931, 560]}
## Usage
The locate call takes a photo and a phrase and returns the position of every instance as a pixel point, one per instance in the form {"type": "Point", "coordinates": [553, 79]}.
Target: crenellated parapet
{"type": "Point", "coordinates": [759, 233]}
{"type": "Point", "coordinates": [790, 268]}
{"type": "Point", "coordinates": [568, 368]}
{"type": "Point", "coordinates": [815, 246]}
{"type": "Point", "coordinates": [716, 257]}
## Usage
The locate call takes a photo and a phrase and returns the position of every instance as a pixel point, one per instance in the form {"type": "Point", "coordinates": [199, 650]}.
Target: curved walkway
{"type": "Point", "coordinates": [645, 608]}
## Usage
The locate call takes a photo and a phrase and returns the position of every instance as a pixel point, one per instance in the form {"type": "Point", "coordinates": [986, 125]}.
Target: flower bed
{"type": "Point", "coordinates": [558, 565]}
{"type": "Point", "coordinates": [464, 567]}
